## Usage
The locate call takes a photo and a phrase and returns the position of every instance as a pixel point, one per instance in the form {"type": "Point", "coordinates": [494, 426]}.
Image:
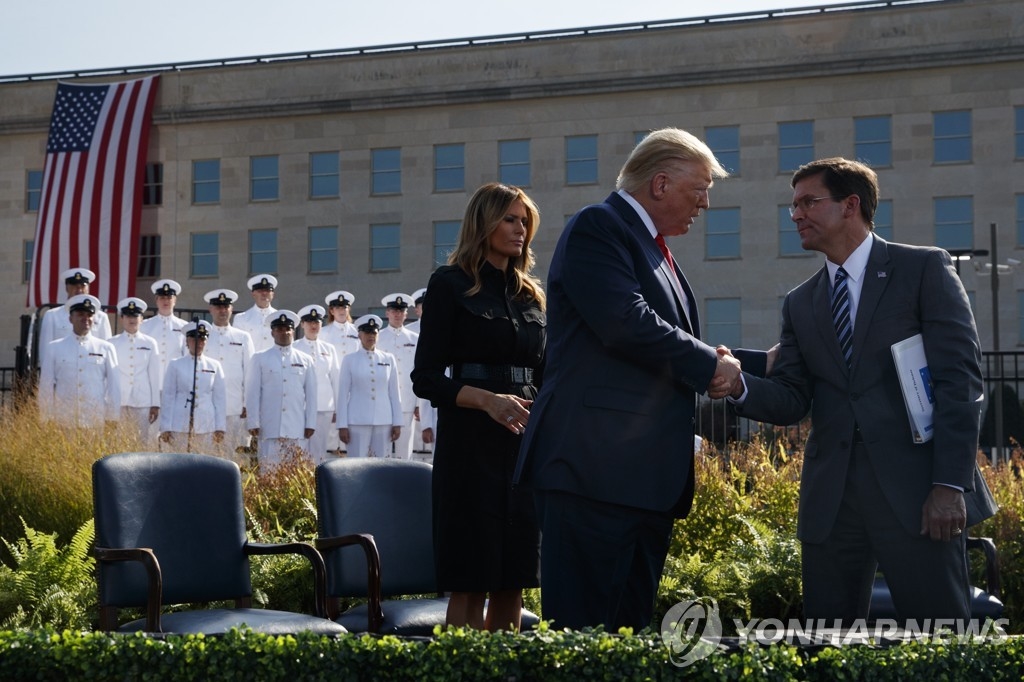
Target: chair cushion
{"type": "Point", "coordinates": [220, 621]}
{"type": "Point", "coordinates": [412, 617]}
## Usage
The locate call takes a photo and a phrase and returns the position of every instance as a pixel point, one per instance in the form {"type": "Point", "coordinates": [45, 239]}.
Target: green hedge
{"type": "Point", "coordinates": [468, 655]}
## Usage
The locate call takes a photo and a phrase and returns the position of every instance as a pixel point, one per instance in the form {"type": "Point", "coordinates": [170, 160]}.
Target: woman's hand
{"type": "Point", "coordinates": [510, 411]}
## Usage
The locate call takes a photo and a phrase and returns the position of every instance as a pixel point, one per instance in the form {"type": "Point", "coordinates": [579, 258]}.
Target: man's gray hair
{"type": "Point", "coordinates": [660, 151]}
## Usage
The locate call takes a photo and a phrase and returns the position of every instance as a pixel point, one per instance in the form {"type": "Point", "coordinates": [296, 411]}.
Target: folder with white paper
{"type": "Point", "coordinates": [916, 383]}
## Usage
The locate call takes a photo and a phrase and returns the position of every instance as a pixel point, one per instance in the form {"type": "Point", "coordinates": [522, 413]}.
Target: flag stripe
{"type": "Point", "coordinates": [90, 203]}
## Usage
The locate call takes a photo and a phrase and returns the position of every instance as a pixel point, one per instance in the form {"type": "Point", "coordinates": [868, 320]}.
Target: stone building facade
{"type": "Point", "coordinates": [351, 170]}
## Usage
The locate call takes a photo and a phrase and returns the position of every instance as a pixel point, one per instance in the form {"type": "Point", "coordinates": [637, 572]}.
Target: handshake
{"type": "Point", "coordinates": [727, 380]}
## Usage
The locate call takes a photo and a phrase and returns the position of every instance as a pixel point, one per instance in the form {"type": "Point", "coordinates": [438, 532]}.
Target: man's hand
{"type": "Point", "coordinates": [344, 436]}
{"type": "Point", "coordinates": [308, 433]}
{"type": "Point", "coordinates": [154, 414]}
{"type": "Point", "coordinates": [428, 435]}
{"type": "Point", "coordinates": [727, 374]}
{"type": "Point", "coordinates": [396, 432]}
{"type": "Point", "coordinates": [944, 515]}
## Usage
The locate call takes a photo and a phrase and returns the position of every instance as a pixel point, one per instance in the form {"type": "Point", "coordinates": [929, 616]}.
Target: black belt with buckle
{"type": "Point", "coordinates": [508, 374]}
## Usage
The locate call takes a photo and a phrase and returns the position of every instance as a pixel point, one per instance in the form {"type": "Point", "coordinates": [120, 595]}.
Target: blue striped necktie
{"type": "Point", "coordinates": [841, 314]}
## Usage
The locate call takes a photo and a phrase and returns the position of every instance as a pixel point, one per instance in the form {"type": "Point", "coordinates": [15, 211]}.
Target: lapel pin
{"type": "Point", "coordinates": [881, 274]}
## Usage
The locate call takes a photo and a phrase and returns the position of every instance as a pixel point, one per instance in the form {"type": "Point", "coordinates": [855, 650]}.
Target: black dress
{"type": "Point", "coordinates": [486, 536]}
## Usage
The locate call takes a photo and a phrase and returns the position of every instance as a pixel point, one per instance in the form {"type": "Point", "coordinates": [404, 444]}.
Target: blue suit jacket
{"type": "Point", "coordinates": [614, 420]}
{"type": "Point", "coordinates": [907, 290]}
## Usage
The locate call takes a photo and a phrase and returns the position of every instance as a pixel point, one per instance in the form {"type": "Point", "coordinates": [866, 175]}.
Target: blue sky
{"type": "Point", "coordinates": [42, 36]}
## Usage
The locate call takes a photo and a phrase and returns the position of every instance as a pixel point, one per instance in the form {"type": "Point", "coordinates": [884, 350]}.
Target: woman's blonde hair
{"type": "Point", "coordinates": [486, 209]}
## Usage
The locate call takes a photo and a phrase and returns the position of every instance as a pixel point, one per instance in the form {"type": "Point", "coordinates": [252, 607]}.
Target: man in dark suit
{"type": "Point", "coordinates": [609, 444]}
{"type": "Point", "coordinates": [870, 496]}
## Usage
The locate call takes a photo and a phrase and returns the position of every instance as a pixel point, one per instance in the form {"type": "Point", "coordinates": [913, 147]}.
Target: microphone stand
{"type": "Point", "coordinates": [195, 373]}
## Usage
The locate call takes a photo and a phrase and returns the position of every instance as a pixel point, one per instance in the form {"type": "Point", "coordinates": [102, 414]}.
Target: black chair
{"type": "Point", "coordinates": [170, 529]}
{"type": "Point", "coordinates": [383, 506]}
{"type": "Point", "coordinates": [984, 603]}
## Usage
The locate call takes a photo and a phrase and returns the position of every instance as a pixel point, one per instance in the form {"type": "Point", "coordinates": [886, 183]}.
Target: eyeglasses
{"type": "Point", "coordinates": [806, 203]}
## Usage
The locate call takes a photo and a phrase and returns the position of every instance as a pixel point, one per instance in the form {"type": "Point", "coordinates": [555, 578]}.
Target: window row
{"type": "Point", "coordinates": [952, 142]}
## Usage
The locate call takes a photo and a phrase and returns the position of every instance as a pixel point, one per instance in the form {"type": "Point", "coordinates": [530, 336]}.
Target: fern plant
{"type": "Point", "coordinates": [47, 585]}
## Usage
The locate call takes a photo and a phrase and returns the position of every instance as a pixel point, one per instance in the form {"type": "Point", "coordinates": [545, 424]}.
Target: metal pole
{"type": "Point", "coordinates": [998, 373]}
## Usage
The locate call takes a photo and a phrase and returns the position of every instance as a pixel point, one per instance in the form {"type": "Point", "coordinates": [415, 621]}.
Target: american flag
{"type": "Point", "coordinates": [90, 204]}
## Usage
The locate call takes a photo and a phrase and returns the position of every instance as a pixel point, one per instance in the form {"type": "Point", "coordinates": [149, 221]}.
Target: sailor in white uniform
{"type": "Point", "coordinates": [425, 417]}
{"type": "Point", "coordinates": [401, 343]}
{"type": "Point", "coordinates": [193, 392]}
{"type": "Point", "coordinates": [56, 323]}
{"type": "Point", "coordinates": [325, 360]}
{"type": "Point", "coordinates": [165, 326]}
{"type": "Point", "coordinates": [342, 334]}
{"type": "Point", "coordinates": [417, 304]}
{"type": "Point", "coordinates": [78, 382]}
{"type": "Point", "coordinates": [369, 416]}
{"type": "Point", "coordinates": [140, 372]}
{"type": "Point", "coordinates": [254, 320]}
{"type": "Point", "coordinates": [281, 394]}
{"type": "Point", "coordinates": [233, 349]}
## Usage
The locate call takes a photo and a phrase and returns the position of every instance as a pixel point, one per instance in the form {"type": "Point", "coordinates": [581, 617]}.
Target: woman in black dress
{"type": "Point", "coordinates": [479, 361]}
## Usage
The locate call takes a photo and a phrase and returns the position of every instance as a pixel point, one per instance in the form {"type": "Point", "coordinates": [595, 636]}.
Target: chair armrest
{"type": "Point", "coordinates": [992, 582]}
{"type": "Point", "coordinates": [316, 561]}
{"type": "Point", "coordinates": [374, 610]}
{"type": "Point", "coordinates": [155, 582]}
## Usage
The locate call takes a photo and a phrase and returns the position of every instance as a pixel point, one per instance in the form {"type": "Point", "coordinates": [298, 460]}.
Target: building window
{"type": "Point", "coordinates": [28, 248]}
{"type": "Point", "coordinates": [153, 185]}
{"type": "Point", "coordinates": [206, 181]}
{"type": "Point", "coordinates": [796, 144]}
{"type": "Point", "coordinates": [883, 220]}
{"type": "Point", "coordinates": [872, 140]}
{"type": "Point", "coordinates": [263, 180]}
{"type": "Point", "coordinates": [149, 256]}
{"type": "Point", "coordinates": [723, 322]}
{"type": "Point", "coordinates": [449, 168]}
{"type": "Point", "coordinates": [386, 171]}
{"type": "Point", "coordinates": [952, 136]}
{"type": "Point", "coordinates": [581, 160]}
{"type": "Point", "coordinates": [323, 250]}
{"type": "Point", "coordinates": [1019, 132]}
{"type": "Point", "coordinates": [722, 229]}
{"type": "Point", "coordinates": [33, 189]}
{"type": "Point", "coordinates": [262, 251]}
{"type": "Point", "coordinates": [789, 239]}
{"type": "Point", "coordinates": [514, 162]}
{"type": "Point", "coordinates": [724, 141]}
{"type": "Point", "coordinates": [204, 254]}
{"type": "Point", "coordinates": [1020, 219]}
{"type": "Point", "coordinates": [954, 223]}
{"type": "Point", "coordinates": [446, 234]}
{"type": "Point", "coordinates": [385, 249]}
{"type": "Point", "coordinates": [323, 175]}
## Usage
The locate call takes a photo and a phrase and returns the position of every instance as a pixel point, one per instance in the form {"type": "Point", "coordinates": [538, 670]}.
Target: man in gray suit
{"type": "Point", "coordinates": [870, 496]}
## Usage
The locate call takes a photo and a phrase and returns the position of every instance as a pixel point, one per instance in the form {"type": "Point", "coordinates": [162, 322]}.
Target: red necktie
{"type": "Point", "coordinates": [660, 241]}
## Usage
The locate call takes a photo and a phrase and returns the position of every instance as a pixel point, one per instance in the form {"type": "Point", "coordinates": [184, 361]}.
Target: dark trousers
{"type": "Point", "coordinates": [600, 563]}
{"type": "Point", "coordinates": [927, 578]}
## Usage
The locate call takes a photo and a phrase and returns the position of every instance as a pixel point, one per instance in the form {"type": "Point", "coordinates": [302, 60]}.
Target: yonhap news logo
{"type": "Point", "coordinates": [691, 630]}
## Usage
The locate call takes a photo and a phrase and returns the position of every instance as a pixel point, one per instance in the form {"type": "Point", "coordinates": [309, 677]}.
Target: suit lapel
{"type": "Point", "coordinates": [876, 277]}
{"type": "Point", "coordinates": [822, 303]}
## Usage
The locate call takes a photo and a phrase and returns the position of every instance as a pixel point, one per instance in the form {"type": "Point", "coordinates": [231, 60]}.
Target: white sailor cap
{"type": "Point", "coordinates": [198, 329]}
{"type": "Point", "coordinates": [417, 296]}
{"type": "Point", "coordinates": [220, 297]}
{"type": "Point", "coordinates": [339, 298]}
{"type": "Point", "coordinates": [166, 287]}
{"type": "Point", "coordinates": [283, 318]}
{"type": "Point", "coordinates": [312, 313]}
{"type": "Point", "coordinates": [85, 302]}
{"type": "Point", "coordinates": [262, 282]}
{"type": "Point", "coordinates": [369, 323]}
{"type": "Point", "coordinates": [78, 276]}
{"type": "Point", "coordinates": [132, 307]}
{"type": "Point", "coordinates": [399, 301]}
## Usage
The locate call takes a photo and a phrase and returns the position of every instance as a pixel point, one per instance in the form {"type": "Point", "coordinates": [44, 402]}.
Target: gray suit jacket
{"type": "Point", "coordinates": [906, 290]}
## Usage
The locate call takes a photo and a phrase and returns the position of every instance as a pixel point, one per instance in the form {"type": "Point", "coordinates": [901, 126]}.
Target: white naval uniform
{"type": "Point", "coordinates": [345, 339]}
{"type": "Point", "coordinates": [424, 452]}
{"type": "Point", "coordinates": [401, 343]}
{"type": "Point", "coordinates": [176, 405]}
{"type": "Point", "coordinates": [139, 370]}
{"type": "Point", "coordinates": [254, 321]}
{"type": "Point", "coordinates": [78, 382]}
{"type": "Point", "coordinates": [325, 359]}
{"type": "Point", "coordinates": [368, 402]}
{"type": "Point", "coordinates": [233, 349]}
{"type": "Point", "coordinates": [166, 329]}
{"type": "Point", "coordinates": [280, 400]}
{"type": "Point", "coordinates": [414, 327]}
{"type": "Point", "coordinates": [56, 324]}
